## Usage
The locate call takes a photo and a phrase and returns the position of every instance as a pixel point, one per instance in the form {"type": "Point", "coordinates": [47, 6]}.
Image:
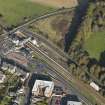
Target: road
{"type": "Point", "coordinates": [27, 91]}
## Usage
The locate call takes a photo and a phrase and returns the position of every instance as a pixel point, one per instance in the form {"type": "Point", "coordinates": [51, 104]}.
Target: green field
{"type": "Point", "coordinates": [14, 11]}
{"type": "Point", "coordinates": [95, 44]}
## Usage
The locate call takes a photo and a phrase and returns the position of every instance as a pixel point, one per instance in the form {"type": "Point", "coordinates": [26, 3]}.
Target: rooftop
{"type": "Point", "coordinates": [43, 88]}
{"type": "Point", "coordinates": [18, 57]}
{"type": "Point", "coordinates": [2, 77]}
{"type": "Point", "coordinates": [42, 83]}
{"type": "Point", "coordinates": [70, 100]}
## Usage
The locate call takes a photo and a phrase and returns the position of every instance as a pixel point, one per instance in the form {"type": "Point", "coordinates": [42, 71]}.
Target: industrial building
{"type": "Point", "coordinates": [43, 88]}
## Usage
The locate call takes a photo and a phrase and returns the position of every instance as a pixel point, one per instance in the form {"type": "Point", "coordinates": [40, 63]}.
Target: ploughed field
{"type": "Point", "coordinates": [16, 11]}
{"type": "Point", "coordinates": [57, 3]}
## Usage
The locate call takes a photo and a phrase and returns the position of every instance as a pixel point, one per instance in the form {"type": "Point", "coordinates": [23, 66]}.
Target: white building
{"type": "Point", "coordinates": [2, 77]}
{"type": "Point", "coordinates": [43, 88]}
{"type": "Point", "coordinates": [95, 86]}
{"type": "Point", "coordinates": [35, 43]}
{"type": "Point", "coordinates": [12, 70]}
{"type": "Point", "coordinates": [73, 103]}
{"type": "Point", "coordinates": [21, 91]}
{"type": "Point", "coordinates": [16, 42]}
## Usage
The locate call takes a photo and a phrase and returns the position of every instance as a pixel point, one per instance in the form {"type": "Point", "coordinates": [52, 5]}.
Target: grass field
{"type": "Point", "coordinates": [95, 44]}
{"type": "Point", "coordinates": [14, 11]}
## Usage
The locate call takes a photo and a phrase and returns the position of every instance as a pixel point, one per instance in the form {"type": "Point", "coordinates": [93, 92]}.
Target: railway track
{"type": "Point", "coordinates": [60, 71]}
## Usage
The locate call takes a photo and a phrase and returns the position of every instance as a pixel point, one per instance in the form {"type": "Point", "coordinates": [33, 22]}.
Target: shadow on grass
{"type": "Point", "coordinates": [102, 59]}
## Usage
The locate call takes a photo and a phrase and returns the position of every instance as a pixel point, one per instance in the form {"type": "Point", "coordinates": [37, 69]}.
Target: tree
{"type": "Point", "coordinates": [1, 15]}
{"type": "Point", "coordinates": [6, 100]}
